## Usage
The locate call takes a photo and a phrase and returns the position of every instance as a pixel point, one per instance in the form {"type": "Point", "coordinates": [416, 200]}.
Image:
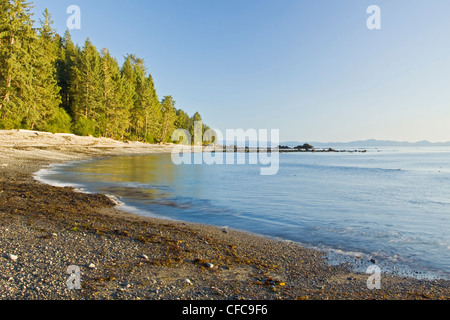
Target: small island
{"type": "Point", "coordinates": [309, 148]}
{"type": "Point", "coordinates": [285, 149]}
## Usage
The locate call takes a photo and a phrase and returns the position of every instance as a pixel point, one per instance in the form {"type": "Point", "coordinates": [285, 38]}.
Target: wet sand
{"type": "Point", "coordinates": [124, 256]}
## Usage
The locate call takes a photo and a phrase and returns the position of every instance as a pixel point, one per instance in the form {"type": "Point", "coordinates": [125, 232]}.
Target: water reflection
{"type": "Point", "coordinates": [357, 203]}
{"type": "Point", "coordinates": [148, 180]}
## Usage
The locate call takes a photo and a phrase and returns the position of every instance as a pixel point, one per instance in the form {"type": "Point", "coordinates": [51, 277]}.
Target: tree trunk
{"type": "Point", "coordinates": [9, 77]}
{"type": "Point", "coordinates": [146, 125]}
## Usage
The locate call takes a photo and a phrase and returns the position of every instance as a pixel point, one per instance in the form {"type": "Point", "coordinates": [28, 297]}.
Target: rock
{"type": "Point", "coordinates": [320, 287]}
{"type": "Point", "coordinates": [12, 257]}
{"type": "Point", "coordinates": [91, 266]}
{"type": "Point", "coordinates": [143, 256]}
{"type": "Point", "coordinates": [373, 261]}
{"type": "Point", "coordinates": [153, 281]}
{"type": "Point", "coordinates": [188, 282]}
{"type": "Point", "coordinates": [217, 291]}
{"type": "Point", "coordinates": [225, 229]}
{"type": "Point", "coordinates": [209, 265]}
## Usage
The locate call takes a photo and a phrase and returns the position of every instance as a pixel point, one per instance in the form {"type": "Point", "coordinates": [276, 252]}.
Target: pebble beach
{"type": "Point", "coordinates": [122, 256]}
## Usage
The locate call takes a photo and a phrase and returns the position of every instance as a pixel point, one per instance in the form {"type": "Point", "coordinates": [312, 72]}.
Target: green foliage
{"type": "Point", "coordinates": [48, 83]}
{"type": "Point", "coordinates": [149, 138]}
{"type": "Point", "coordinates": [183, 120]}
{"type": "Point", "coordinates": [65, 70]}
{"type": "Point", "coordinates": [60, 122]}
{"type": "Point", "coordinates": [88, 78]}
{"type": "Point", "coordinates": [47, 98]}
{"type": "Point", "coordinates": [18, 42]}
{"type": "Point", "coordinates": [115, 111]}
{"type": "Point", "coordinates": [84, 126]}
{"type": "Point", "coordinates": [167, 121]}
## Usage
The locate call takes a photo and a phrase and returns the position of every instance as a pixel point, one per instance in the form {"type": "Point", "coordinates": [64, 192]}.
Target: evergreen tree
{"type": "Point", "coordinates": [146, 108]}
{"type": "Point", "coordinates": [195, 118]}
{"type": "Point", "coordinates": [168, 117]}
{"type": "Point", "coordinates": [4, 28]}
{"type": "Point", "coordinates": [87, 96]}
{"type": "Point", "coordinates": [141, 96]}
{"type": "Point", "coordinates": [129, 91]}
{"type": "Point", "coordinates": [65, 69]}
{"type": "Point", "coordinates": [17, 38]}
{"type": "Point", "coordinates": [116, 112]}
{"type": "Point", "coordinates": [152, 110]}
{"type": "Point", "coordinates": [45, 107]}
{"type": "Point", "coordinates": [183, 120]}
{"type": "Point", "coordinates": [121, 114]}
{"type": "Point", "coordinates": [49, 83]}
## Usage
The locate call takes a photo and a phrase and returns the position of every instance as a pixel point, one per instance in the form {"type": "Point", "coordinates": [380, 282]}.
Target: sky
{"type": "Point", "coordinates": [311, 68]}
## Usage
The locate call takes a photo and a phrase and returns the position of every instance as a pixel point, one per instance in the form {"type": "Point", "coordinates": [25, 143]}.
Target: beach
{"type": "Point", "coordinates": [123, 256]}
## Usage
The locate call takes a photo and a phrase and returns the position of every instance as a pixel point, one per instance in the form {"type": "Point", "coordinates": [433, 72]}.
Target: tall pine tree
{"type": "Point", "coordinates": [67, 56]}
{"type": "Point", "coordinates": [146, 111]}
{"type": "Point", "coordinates": [88, 94]}
{"type": "Point", "coordinates": [129, 86]}
{"type": "Point", "coordinates": [115, 104]}
{"type": "Point", "coordinates": [152, 111]}
{"type": "Point", "coordinates": [4, 28]}
{"type": "Point", "coordinates": [16, 87]}
{"type": "Point", "coordinates": [46, 111]}
{"type": "Point", "coordinates": [167, 121]}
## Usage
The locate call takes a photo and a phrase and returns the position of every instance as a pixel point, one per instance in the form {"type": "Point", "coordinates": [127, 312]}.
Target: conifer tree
{"type": "Point", "coordinates": [168, 117]}
{"type": "Point", "coordinates": [195, 118]}
{"type": "Point", "coordinates": [46, 113]}
{"type": "Point", "coordinates": [4, 27]}
{"type": "Point", "coordinates": [17, 37]}
{"type": "Point", "coordinates": [152, 110]}
{"type": "Point", "coordinates": [183, 120]}
{"type": "Point", "coordinates": [129, 90]}
{"type": "Point", "coordinates": [116, 112]}
{"type": "Point", "coordinates": [49, 83]}
{"type": "Point", "coordinates": [137, 113]}
{"type": "Point", "coordinates": [4, 22]}
{"type": "Point", "coordinates": [65, 69]}
{"type": "Point", "coordinates": [146, 111]}
{"type": "Point", "coordinates": [88, 94]}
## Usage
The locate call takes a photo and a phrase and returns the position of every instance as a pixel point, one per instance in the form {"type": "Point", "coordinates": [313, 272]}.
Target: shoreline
{"type": "Point", "coordinates": [356, 261]}
{"type": "Point", "coordinates": [125, 256]}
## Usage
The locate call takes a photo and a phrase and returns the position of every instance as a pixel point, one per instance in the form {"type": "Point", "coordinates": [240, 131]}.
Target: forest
{"type": "Point", "coordinates": [48, 83]}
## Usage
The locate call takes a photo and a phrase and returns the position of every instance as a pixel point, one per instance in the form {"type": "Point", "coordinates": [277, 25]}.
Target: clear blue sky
{"type": "Point", "coordinates": [309, 68]}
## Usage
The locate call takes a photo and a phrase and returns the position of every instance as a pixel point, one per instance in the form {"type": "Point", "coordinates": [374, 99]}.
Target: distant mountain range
{"type": "Point", "coordinates": [368, 143]}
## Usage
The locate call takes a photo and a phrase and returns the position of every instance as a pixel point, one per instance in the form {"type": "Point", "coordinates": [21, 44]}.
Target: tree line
{"type": "Point", "coordinates": [48, 83]}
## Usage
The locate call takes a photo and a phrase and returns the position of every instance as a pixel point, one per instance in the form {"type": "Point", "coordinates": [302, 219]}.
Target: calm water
{"type": "Point", "coordinates": [393, 205]}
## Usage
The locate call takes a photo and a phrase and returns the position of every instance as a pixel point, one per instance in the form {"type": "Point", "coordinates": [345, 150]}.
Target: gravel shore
{"type": "Point", "coordinates": [121, 256]}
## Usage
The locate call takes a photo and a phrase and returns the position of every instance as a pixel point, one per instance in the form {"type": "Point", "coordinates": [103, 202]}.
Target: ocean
{"type": "Point", "coordinates": [391, 204]}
